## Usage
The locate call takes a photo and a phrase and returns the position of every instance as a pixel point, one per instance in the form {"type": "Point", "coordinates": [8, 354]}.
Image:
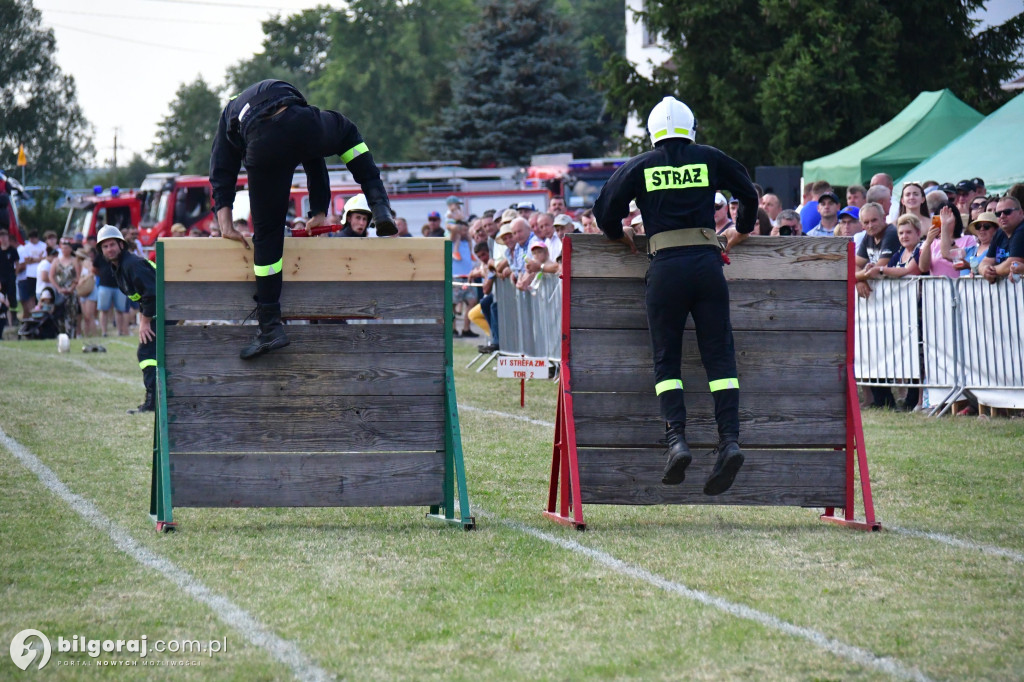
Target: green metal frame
{"type": "Point", "coordinates": [160, 507]}
{"type": "Point", "coordinates": [454, 466]}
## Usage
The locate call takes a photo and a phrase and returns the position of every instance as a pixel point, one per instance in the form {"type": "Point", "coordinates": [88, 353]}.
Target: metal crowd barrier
{"type": "Point", "coordinates": [941, 333]}
{"type": "Point", "coordinates": [529, 322]}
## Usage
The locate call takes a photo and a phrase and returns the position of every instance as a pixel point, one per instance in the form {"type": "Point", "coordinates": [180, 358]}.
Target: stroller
{"type": "Point", "coordinates": [42, 323]}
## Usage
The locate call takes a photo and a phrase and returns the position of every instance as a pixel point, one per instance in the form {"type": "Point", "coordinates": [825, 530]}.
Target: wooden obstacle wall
{"type": "Point", "coordinates": [789, 313]}
{"type": "Point", "coordinates": [347, 414]}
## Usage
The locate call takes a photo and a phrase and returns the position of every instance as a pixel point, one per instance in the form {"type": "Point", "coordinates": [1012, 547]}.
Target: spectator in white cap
{"type": "Point", "coordinates": [563, 224]}
{"type": "Point", "coordinates": [722, 221]}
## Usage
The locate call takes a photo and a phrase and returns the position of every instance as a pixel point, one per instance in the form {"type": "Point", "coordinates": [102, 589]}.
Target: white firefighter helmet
{"type": "Point", "coordinates": [671, 118]}
{"type": "Point", "coordinates": [108, 232]}
{"type": "Point", "coordinates": [356, 204]}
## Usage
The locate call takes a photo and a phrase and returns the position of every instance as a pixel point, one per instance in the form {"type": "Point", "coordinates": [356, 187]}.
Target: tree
{"type": "Point", "coordinates": [782, 81]}
{"type": "Point", "coordinates": [518, 91]}
{"type": "Point", "coordinates": [131, 175]}
{"type": "Point", "coordinates": [388, 69]}
{"type": "Point", "coordinates": [294, 50]}
{"type": "Point", "coordinates": [38, 103]}
{"type": "Point", "coordinates": [184, 136]}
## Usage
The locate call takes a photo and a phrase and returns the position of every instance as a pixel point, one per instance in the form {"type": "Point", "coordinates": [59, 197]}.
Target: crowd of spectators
{"type": "Point", "coordinates": [54, 286]}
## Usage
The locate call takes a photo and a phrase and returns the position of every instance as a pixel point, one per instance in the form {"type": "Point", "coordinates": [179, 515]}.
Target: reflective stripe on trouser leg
{"type": "Point", "coordinates": [269, 270]}
{"type": "Point", "coordinates": [146, 355]}
{"type": "Point", "coordinates": [668, 385]}
{"type": "Point", "coordinates": [722, 384]}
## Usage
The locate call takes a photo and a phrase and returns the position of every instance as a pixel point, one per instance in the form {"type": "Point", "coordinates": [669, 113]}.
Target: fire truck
{"type": "Point", "coordinates": [418, 188]}
{"type": "Point", "coordinates": [579, 181]}
{"type": "Point", "coordinates": [88, 213]}
{"type": "Point", "coordinates": [168, 198]}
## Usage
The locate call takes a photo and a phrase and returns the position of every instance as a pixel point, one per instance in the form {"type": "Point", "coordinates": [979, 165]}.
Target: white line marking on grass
{"type": "Point", "coordinates": [937, 537]}
{"type": "Point", "coordinates": [517, 417]}
{"type": "Point", "coordinates": [77, 363]}
{"type": "Point", "coordinates": [959, 544]}
{"type": "Point", "coordinates": [856, 654]}
{"type": "Point", "coordinates": [230, 613]}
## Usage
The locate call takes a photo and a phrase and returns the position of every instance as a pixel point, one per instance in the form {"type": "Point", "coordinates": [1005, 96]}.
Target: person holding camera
{"type": "Point", "coordinates": [788, 224]}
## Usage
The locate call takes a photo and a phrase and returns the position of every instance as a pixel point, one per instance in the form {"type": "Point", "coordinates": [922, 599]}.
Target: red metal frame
{"type": "Point", "coordinates": [564, 490]}
{"type": "Point", "coordinates": [564, 460]}
{"type": "Point", "coordinates": [854, 426]}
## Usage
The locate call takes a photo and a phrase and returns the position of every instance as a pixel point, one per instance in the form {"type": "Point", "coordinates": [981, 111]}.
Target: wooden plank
{"type": "Point", "coordinates": [234, 300]}
{"type": "Point", "coordinates": [770, 305]}
{"type": "Point", "coordinates": [801, 478]}
{"type": "Point", "coordinates": [223, 342]}
{"type": "Point", "coordinates": [766, 362]}
{"type": "Point", "coordinates": [800, 258]}
{"type": "Point", "coordinates": [766, 420]}
{"type": "Point", "coordinates": [308, 260]}
{"type": "Point", "coordinates": [292, 371]}
{"type": "Point", "coordinates": [336, 424]}
{"type": "Point", "coordinates": [309, 480]}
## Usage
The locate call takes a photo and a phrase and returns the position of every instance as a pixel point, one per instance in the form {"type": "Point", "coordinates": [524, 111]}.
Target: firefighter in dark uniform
{"type": "Point", "coordinates": [674, 186]}
{"type": "Point", "coordinates": [136, 278]}
{"type": "Point", "coordinates": [272, 129]}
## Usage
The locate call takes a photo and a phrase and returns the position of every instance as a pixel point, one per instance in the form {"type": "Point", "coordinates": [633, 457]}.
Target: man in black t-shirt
{"type": "Point", "coordinates": [877, 246]}
{"type": "Point", "coordinates": [8, 272]}
{"type": "Point", "coordinates": [1007, 248]}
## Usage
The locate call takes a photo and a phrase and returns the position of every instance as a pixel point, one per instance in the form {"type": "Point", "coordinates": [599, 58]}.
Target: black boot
{"type": "Point", "coordinates": [728, 464]}
{"type": "Point", "coordinates": [148, 406]}
{"type": "Point", "coordinates": [271, 335]}
{"type": "Point", "coordinates": [677, 457]}
{"type": "Point", "coordinates": [383, 220]}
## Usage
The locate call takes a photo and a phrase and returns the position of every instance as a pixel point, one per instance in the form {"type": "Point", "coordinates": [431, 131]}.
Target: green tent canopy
{"type": "Point", "coordinates": [993, 150]}
{"type": "Point", "coordinates": [926, 125]}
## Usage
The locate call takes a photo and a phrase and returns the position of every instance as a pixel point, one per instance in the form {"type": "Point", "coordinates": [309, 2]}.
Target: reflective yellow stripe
{"type": "Point", "coordinates": [682, 131]}
{"type": "Point", "coordinates": [668, 385]}
{"type": "Point", "coordinates": [676, 177]}
{"type": "Point", "coordinates": [268, 270]}
{"type": "Point", "coordinates": [354, 152]}
{"type": "Point", "coordinates": [153, 263]}
{"type": "Point", "coordinates": [147, 363]}
{"type": "Point", "coordinates": [722, 384]}
{"type": "Point", "coordinates": [134, 297]}
{"type": "Point", "coordinates": [660, 133]}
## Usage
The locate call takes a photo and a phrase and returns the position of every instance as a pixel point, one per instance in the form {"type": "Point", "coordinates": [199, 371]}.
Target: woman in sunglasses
{"type": "Point", "coordinates": [978, 207]}
{"type": "Point", "coordinates": [983, 228]}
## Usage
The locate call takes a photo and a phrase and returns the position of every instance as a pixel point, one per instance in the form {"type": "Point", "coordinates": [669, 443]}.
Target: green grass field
{"type": "Point", "coordinates": [647, 593]}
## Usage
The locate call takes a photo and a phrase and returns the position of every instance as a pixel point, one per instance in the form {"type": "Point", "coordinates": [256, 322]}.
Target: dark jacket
{"type": "Point", "coordinates": [257, 100]}
{"type": "Point", "coordinates": [674, 186]}
{"type": "Point", "coordinates": [136, 278]}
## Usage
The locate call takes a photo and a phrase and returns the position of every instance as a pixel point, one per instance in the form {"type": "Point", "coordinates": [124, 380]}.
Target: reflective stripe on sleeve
{"type": "Point", "coordinates": [135, 297]}
{"type": "Point", "coordinates": [268, 270]}
{"type": "Point", "coordinates": [722, 384]}
{"type": "Point", "coordinates": [147, 363]}
{"type": "Point", "coordinates": [668, 385]}
{"type": "Point", "coordinates": [354, 152]}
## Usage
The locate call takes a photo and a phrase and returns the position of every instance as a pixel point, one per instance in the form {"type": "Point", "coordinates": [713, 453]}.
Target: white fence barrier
{"type": "Point", "coordinates": [939, 333]}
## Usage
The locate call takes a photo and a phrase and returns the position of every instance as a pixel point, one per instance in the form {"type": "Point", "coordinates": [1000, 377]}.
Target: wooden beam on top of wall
{"type": "Point", "coordinates": [308, 260]}
{"type": "Point", "coordinates": [768, 258]}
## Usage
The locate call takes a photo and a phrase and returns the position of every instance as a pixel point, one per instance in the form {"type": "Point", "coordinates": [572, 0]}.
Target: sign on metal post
{"type": "Point", "coordinates": [22, 159]}
{"type": "Point", "coordinates": [522, 367]}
